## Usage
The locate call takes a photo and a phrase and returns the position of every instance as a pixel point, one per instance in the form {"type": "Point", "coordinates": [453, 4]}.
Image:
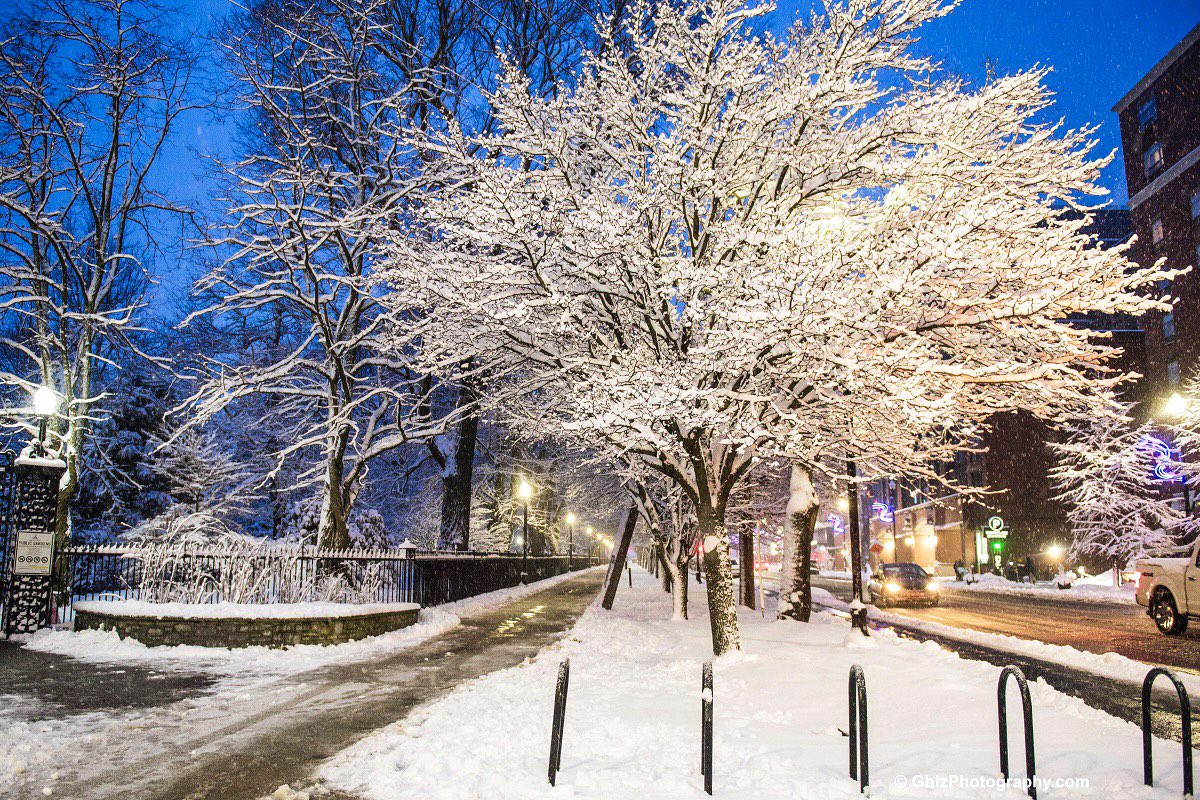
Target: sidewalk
{"type": "Point", "coordinates": [307, 718]}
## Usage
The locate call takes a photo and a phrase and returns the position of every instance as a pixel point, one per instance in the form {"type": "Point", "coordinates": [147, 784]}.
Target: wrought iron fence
{"type": "Point", "coordinates": [273, 575]}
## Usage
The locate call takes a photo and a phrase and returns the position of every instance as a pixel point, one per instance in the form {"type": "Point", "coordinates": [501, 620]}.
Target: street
{"type": "Point", "coordinates": [1094, 627]}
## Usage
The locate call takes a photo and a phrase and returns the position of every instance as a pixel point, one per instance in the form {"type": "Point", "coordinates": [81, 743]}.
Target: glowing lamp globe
{"type": "Point", "coordinates": [524, 490]}
{"type": "Point", "coordinates": [570, 518]}
{"type": "Point", "coordinates": [45, 401]}
{"type": "Point", "coordinates": [1175, 406]}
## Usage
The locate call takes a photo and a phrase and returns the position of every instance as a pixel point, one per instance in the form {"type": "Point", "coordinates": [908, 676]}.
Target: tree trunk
{"type": "Point", "coordinates": [718, 574]}
{"type": "Point", "coordinates": [676, 572]}
{"type": "Point", "coordinates": [616, 564]}
{"type": "Point", "coordinates": [334, 532]}
{"type": "Point", "coordinates": [795, 586]}
{"type": "Point", "coordinates": [661, 565]}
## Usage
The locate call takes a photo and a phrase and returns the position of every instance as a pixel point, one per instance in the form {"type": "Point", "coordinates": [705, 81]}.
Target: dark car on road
{"type": "Point", "coordinates": [902, 585]}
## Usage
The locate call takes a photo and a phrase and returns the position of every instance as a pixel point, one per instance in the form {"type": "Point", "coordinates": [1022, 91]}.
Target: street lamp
{"type": "Point", "coordinates": [45, 403]}
{"type": "Point", "coordinates": [1175, 407]}
{"type": "Point", "coordinates": [570, 538]}
{"type": "Point", "coordinates": [596, 547]}
{"type": "Point", "coordinates": [524, 491]}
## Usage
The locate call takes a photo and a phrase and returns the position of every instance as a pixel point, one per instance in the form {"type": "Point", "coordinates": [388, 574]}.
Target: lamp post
{"type": "Point", "coordinates": [1175, 407]}
{"type": "Point", "coordinates": [524, 491]}
{"type": "Point", "coordinates": [595, 545]}
{"type": "Point", "coordinates": [570, 538]}
{"type": "Point", "coordinates": [45, 403]}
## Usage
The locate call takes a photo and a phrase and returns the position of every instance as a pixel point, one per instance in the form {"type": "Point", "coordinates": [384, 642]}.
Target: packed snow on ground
{"type": "Point", "coordinates": [141, 608]}
{"type": "Point", "coordinates": [35, 741]}
{"type": "Point", "coordinates": [1094, 589]}
{"type": "Point", "coordinates": [632, 721]}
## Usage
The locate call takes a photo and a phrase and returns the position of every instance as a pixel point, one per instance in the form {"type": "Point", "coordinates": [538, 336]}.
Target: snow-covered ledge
{"type": "Point", "coordinates": [243, 625]}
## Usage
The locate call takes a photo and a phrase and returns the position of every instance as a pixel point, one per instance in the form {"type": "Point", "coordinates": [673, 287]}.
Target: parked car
{"type": "Point", "coordinates": [901, 584]}
{"type": "Point", "coordinates": [1169, 588]}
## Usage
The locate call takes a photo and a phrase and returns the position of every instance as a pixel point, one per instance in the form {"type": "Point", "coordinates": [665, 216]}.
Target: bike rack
{"type": "Point", "coordinates": [857, 691]}
{"type": "Point", "coordinates": [706, 726]}
{"type": "Point", "coordinates": [560, 718]}
{"type": "Point", "coordinates": [1185, 716]}
{"type": "Point", "coordinates": [1027, 713]}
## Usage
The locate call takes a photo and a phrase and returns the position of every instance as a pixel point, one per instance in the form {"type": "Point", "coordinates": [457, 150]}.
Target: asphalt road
{"type": "Point", "coordinates": [1094, 627]}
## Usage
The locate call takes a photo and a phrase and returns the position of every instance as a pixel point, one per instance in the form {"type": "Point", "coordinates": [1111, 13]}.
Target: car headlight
{"type": "Point", "coordinates": [892, 586]}
{"type": "Point", "coordinates": [932, 586]}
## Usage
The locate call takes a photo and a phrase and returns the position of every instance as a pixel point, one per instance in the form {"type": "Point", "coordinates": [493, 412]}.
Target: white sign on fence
{"type": "Point", "coordinates": [34, 553]}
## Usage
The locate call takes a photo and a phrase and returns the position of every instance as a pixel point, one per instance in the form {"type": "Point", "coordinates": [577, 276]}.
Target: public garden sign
{"type": "Point", "coordinates": [34, 553]}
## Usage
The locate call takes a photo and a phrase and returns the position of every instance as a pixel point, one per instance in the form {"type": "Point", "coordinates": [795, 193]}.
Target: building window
{"type": "Point", "coordinates": [1152, 159]}
{"type": "Point", "coordinates": [1147, 112]}
{"type": "Point", "coordinates": [1168, 325]}
{"type": "Point", "coordinates": [1156, 230]}
{"type": "Point", "coordinates": [1173, 372]}
{"type": "Point", "coordinates": [1196, 204]}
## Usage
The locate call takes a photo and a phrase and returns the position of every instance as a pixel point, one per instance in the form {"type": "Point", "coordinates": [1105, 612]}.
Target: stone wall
{"type": "Point", "coordinates": [242, 632]}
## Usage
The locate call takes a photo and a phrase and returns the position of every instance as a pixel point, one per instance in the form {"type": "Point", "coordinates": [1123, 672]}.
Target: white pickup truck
{"type": "Point", "coordinates": [1169, 588]}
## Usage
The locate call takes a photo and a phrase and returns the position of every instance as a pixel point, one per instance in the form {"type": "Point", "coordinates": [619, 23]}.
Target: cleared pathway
{"type": "Point", "coordinates": [310, 717]}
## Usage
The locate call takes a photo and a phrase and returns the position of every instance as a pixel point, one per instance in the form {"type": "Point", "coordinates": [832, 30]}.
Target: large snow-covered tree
{"type": "Point", "coordinates": [719, 246]}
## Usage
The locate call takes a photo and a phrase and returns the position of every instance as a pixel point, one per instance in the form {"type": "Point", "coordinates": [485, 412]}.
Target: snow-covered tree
{"type": "Point", "coordinates": [720, 247]}
{"type": "Point", "coordinates": [90, 91]}
{"type": "Point", "coordinates": [1114, 476]}
{"type": "Point", "coordinates": [203, 474]}
{"type": "Point", "coordinates": [325, 165]}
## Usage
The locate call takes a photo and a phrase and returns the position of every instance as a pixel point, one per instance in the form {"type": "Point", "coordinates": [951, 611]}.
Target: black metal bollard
{"type": "Point", "coordinates": [560, 718]}
{"type": "Point", "coordinates": [1027, 713]}
{"type": "Point", "coordinates": [706, 725]}
{"type": "Point", "coordinates": [629, 572]}
{"type": "Point", "coordinates": [859, 766]}
{"type": "Point", "coordinates": [1185, 716]}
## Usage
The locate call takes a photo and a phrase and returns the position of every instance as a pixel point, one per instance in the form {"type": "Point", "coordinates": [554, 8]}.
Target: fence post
{"type": "Point", "coordinates": [857, 691]}
{"type": "Point", "coordinates": [1185, 715]}
{"type": "Point", "coordinates": [706, 725]}
{"type": "Point", "coordinates": [560, 718]}
{"type": "Point", "coordinates": [1027, 713]}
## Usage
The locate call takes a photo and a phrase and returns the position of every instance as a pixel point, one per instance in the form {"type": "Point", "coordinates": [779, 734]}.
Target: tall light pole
{"type": "Point", "coordinates": [524, 491]}
{"type": "Point", "coordinates": [595, 546]}
{"type": "Point", "coordinates": [1175, 407]}
{"type": "Point", "coordinates": [570, 538]}
{"type": "Point", "coordinates": [45, 403]}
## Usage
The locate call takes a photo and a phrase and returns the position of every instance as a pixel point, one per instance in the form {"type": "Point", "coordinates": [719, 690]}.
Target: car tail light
{"type": "Point", "coordinates": [1137, 580]}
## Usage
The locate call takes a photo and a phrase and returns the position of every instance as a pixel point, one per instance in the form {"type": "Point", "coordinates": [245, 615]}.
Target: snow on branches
{"type": "Point", "coordinates": [720, 246]}
{"type": "Point", "coordinates": [1115, 477]}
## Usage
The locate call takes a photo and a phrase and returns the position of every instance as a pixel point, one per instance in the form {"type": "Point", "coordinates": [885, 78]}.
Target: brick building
{"type": "Point", "coordinates": [1160, 139]}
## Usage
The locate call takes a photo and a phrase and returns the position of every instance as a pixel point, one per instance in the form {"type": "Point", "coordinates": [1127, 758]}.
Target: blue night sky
{"type": "Point", "coordinates": [1097, 48]}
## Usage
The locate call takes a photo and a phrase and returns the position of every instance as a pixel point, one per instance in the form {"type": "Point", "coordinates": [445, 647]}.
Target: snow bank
{"type": "Point", "coordinates": [632, 721]}
{"type": "Point", "coordinates": [1084, 590]}
{"type": "Point", "coordinates": [1105, 665]}
{"type": "Point", "coordinates": [140, 608]}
